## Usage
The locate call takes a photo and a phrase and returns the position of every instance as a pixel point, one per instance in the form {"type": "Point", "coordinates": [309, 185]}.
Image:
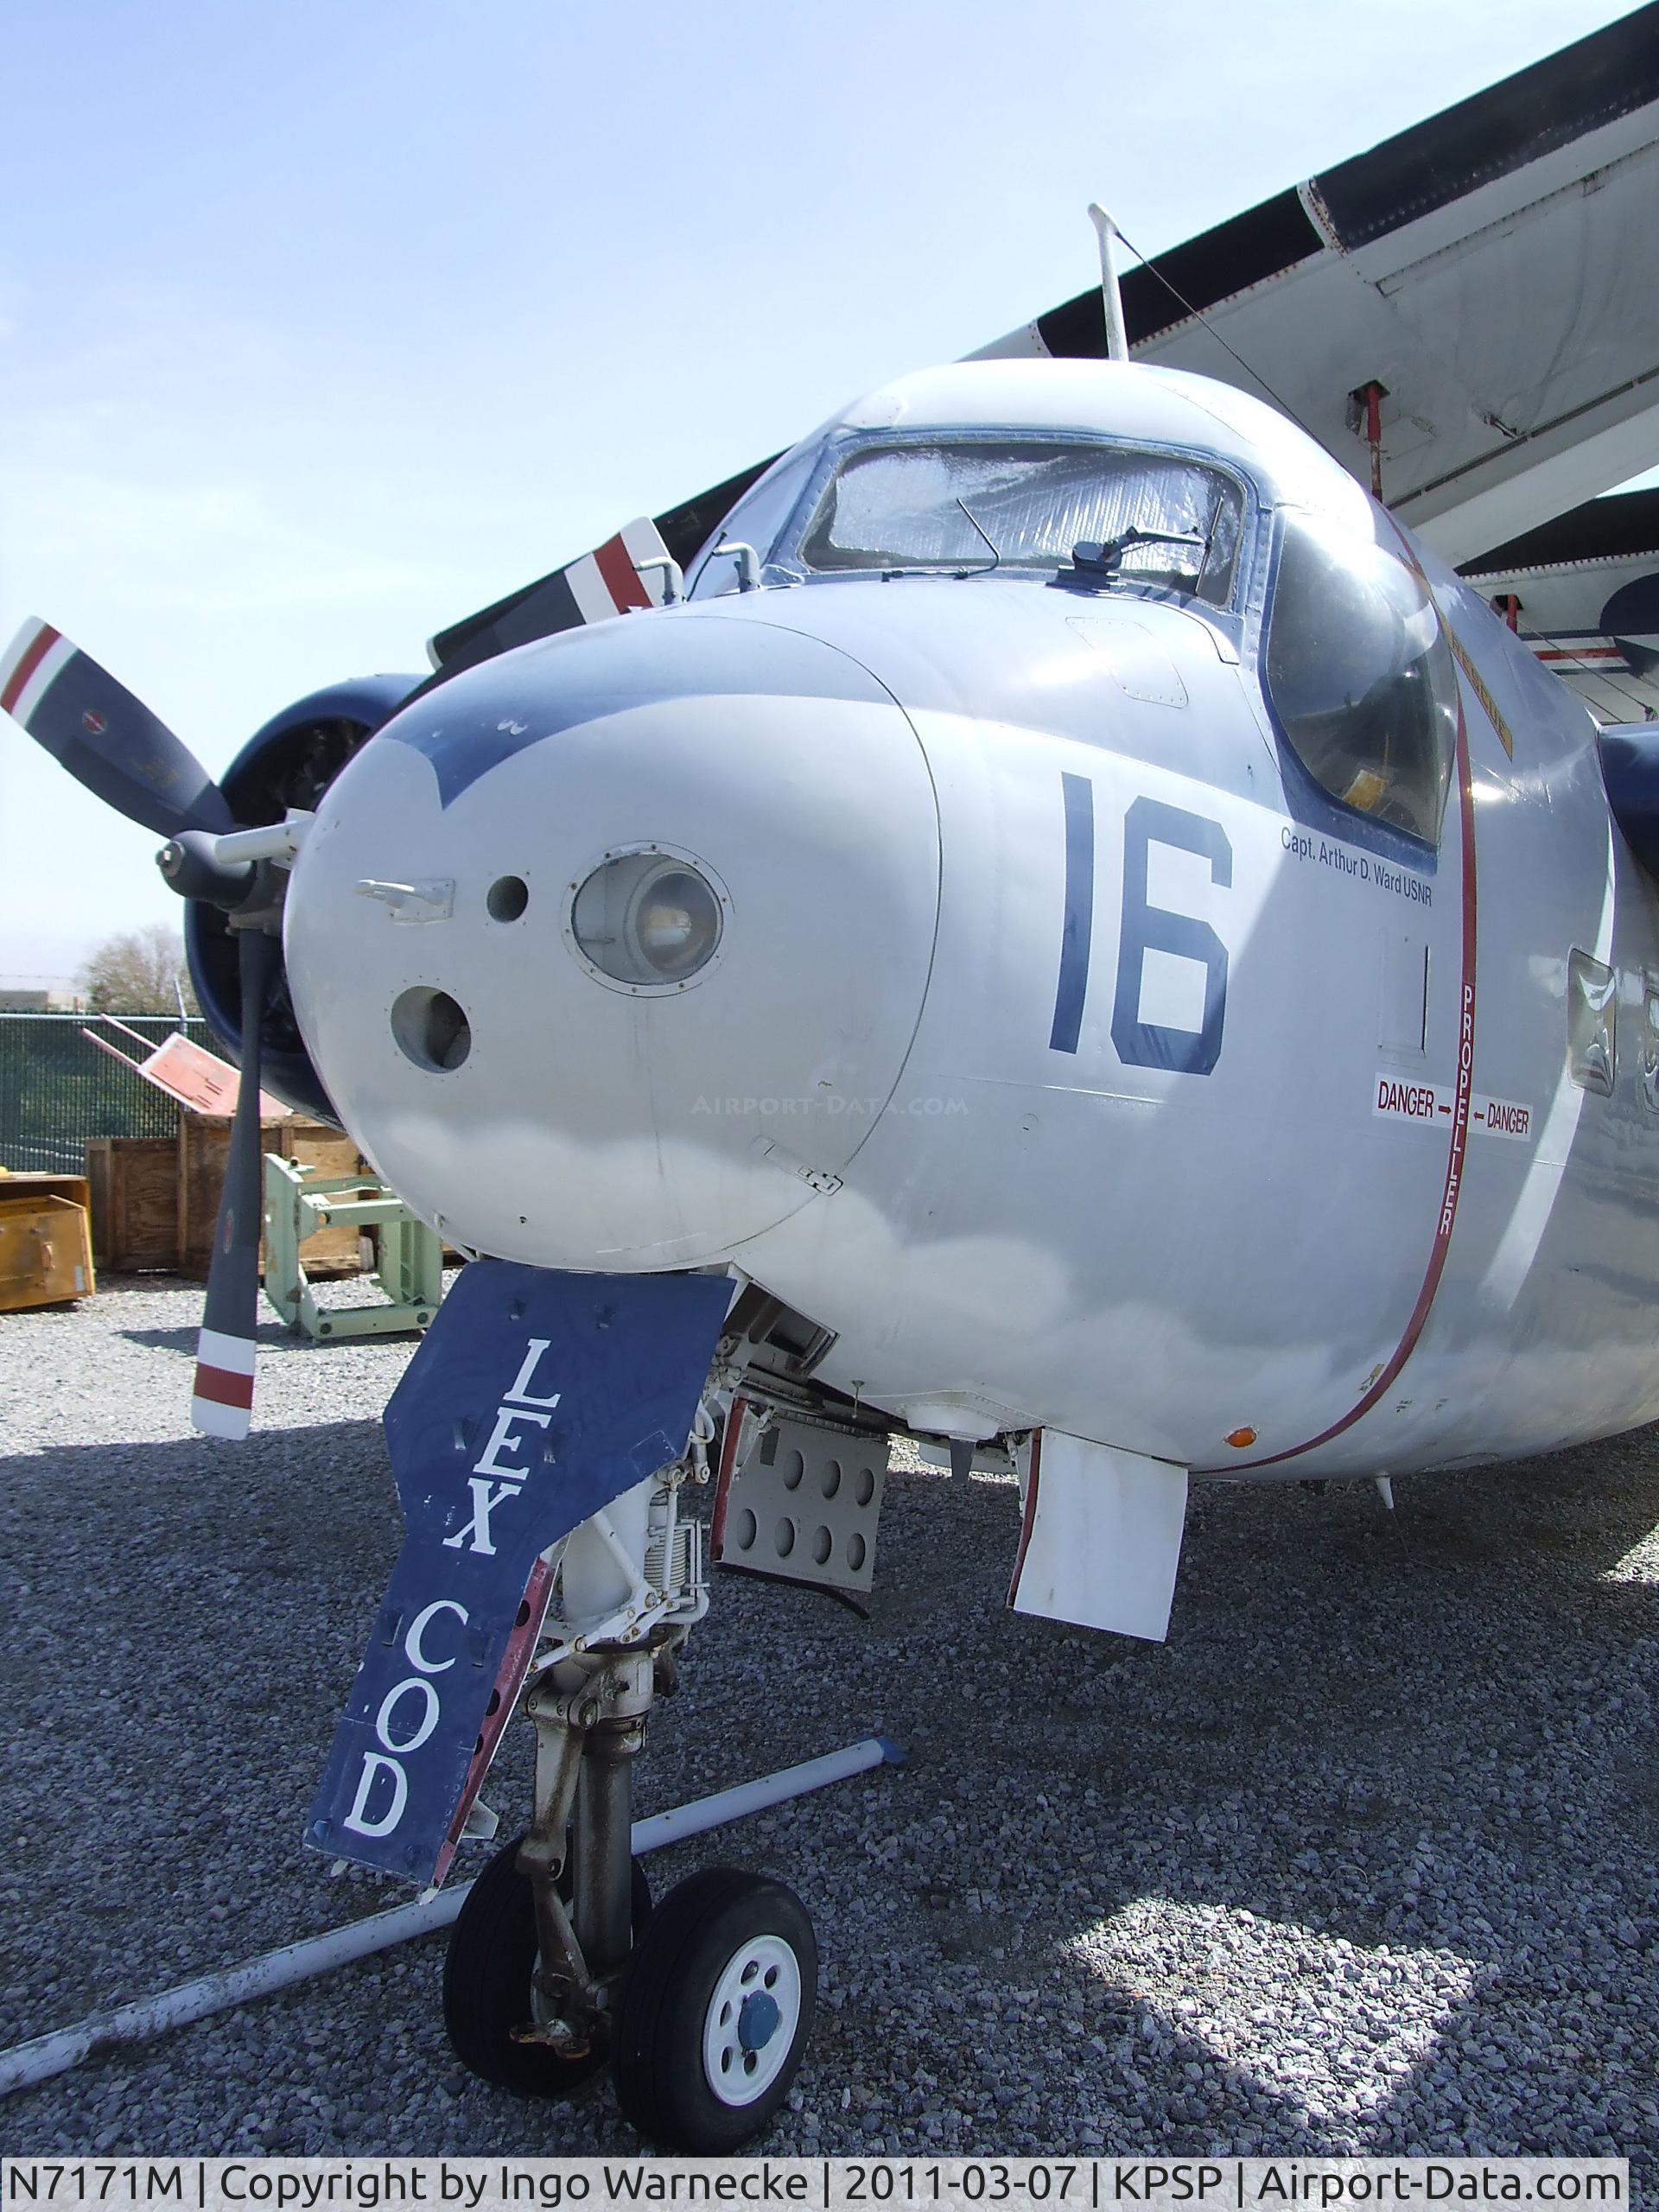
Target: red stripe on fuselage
{"type": "Point", "coordinates": [224, 1388]}
{"type": "Point", "coordinates": [621, 578]}
{"type": "Point", "coordinates": [31, 660]}
{"type": "Point", "coordinates": [1451, 1189]}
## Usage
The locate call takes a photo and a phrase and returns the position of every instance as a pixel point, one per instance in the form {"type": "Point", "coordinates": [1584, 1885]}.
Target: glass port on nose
{"type": "Point", "coordinates": [431, 1028]}
{"type": "Point", "coordinates": [647, 918]}
{"type": "Point", "coordinates": [676, 922]}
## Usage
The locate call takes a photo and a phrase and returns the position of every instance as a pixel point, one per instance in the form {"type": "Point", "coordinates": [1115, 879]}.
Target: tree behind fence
{"type": "Point", "coordinates": [57, 1088]}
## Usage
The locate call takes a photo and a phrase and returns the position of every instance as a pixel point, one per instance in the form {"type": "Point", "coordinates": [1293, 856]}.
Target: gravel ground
{"type": "Point", "coordinates": [1359, 1861]}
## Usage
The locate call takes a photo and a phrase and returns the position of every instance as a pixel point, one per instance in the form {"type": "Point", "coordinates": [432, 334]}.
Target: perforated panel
{"type": "Point", "coordinates": [804, 1502]}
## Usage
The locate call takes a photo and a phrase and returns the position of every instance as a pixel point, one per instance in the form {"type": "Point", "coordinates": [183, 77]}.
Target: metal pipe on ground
{"type": "Point", "coordinates": [28, 2063]}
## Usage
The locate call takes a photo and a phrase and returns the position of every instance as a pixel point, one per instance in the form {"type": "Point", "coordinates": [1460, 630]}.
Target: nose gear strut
{"type": "Point", "coordinates": [588, 1733]}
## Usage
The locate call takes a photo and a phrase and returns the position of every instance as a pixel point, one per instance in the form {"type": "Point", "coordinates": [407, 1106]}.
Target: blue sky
{"type": "Point", "coordinates": [322, 325]}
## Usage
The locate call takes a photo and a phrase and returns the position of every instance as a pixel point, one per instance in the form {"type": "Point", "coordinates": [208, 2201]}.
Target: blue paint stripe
{"type": "Point", "coordinates": [471, 722]}
{"type": "Point", "coordinates": [1078, 929]}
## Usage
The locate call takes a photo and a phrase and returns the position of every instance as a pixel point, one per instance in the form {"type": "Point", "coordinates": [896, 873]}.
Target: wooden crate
{"type": "Point", "coordinates": [204, 1146]}
{"type": "Point", "coordinates": [135, 1202]}
{"type": "Point", "coordinates": [45, 1252]}
{"type": "Point", "coordinates": [331, 1152]}
{"type": "Point", "coordinates": [155, 1200]}
{"type": "Point", "coordinates": [31, 1183]}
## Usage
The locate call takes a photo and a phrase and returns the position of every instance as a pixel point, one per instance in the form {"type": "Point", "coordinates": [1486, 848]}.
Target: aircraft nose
{"type": "Point", "coordinates": [610, 951]}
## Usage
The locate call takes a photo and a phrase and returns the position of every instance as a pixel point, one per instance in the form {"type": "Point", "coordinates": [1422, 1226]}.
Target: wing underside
{"type": "Point", "coordinates": [1582, 591]}
{"type": "Point", "coordinates": [1493, 272]}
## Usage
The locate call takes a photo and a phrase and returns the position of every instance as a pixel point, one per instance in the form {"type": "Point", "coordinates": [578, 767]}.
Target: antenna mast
{"type": "Point", "coordinates": [1117, 345]}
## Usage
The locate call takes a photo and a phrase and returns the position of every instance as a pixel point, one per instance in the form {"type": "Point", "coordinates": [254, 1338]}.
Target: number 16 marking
{"type": "Point", "coordinates": [1144, 928]}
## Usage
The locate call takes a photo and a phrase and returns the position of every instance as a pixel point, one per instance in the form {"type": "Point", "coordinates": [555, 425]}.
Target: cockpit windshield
{"type": "Point", "coordinates": [981, 503]}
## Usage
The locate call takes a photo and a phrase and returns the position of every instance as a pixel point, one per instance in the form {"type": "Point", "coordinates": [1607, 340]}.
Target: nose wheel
{"type": "Point", "coordinates": [714, 2015]}
{"type": "Point", "coordinates": [717, 2011]}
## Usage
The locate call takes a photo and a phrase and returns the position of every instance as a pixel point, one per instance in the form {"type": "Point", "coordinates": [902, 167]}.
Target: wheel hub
{"type": "Point", "coordinates": [757, 2023]}
{"type": "Point", "coordinates": [751, 2020]}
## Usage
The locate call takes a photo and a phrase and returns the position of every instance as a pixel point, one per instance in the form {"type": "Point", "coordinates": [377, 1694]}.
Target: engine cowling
{"type": "Point", "coordinates": [289, 762]}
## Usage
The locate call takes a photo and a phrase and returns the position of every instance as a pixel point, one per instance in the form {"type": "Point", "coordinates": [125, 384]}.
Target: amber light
{"type": "Point", "coordinates": [1242, 1438]}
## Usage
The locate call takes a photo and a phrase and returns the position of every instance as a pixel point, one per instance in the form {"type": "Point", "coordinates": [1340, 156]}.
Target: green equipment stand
{"type": "Point", "coordinates": [298, 1203]}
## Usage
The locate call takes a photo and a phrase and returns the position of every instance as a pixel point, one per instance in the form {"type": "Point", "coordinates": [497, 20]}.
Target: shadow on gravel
{"type": "Point", "coordinates": [184, 1620]}
{"type": "Point", "coordinates": [1360, 1860]}
{"type": "Point", "coordinates": [184, 1340]}
{"type": "Point", "coordinates": [1370, 1839]}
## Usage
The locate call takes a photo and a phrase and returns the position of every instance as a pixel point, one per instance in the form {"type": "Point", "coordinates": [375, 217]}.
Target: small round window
{"type": "Point", "coordinates": [1360, 678]}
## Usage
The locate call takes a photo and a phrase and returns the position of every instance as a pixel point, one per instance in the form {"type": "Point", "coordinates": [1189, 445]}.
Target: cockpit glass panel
{"type": "Point", "coordinates": [979, 503]}
{"type": "Point", "coordinates": [756, 520]}
{"type": "Point", "coordinates": [1360, 677]}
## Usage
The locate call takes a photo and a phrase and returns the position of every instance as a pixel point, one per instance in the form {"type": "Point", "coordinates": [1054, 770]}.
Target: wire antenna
{"type": "Point", "coordinates": [996, 551]}
{"type": "Point", "coordinates": [1199, 315]}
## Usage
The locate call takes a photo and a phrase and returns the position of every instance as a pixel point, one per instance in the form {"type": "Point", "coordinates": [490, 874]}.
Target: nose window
{"type": "Point", "coordinates": [647, 919]}
{"type": "Point", "coordinates": [509, 895]}
{"type": "Point", "coordinates": [431, 1029]}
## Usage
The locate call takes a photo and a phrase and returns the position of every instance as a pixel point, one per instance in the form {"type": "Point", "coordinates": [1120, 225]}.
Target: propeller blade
{"type": "Point", "coordinates": [106, 739]}
{"type": "Point", "coordinates": [222, 1404]}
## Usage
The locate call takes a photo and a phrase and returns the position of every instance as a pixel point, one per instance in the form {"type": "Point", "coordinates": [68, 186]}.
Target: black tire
{"type": "Point", "coordinates": [699, 1934]}
{"type": "Point", "coordinates": [486, 1982]}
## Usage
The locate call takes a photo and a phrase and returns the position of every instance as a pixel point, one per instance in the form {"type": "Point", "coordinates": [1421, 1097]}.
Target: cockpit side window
{"type": "Point", "coordinates": [756, 520]}
{"type": "Point", "coordinates": [1359, 676]}
{"type": "Point", "coordinates": [977, 503]}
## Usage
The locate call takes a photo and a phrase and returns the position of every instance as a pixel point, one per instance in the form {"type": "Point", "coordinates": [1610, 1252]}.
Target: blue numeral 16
{"type": "Point", "coordinates": [1145, 927]}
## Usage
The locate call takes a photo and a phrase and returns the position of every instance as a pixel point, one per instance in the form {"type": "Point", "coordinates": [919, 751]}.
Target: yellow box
{"type": "Point", "coordinates": [45, 1250]}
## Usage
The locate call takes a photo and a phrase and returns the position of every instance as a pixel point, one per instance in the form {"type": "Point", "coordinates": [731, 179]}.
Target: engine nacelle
{"type": "Point", "coordinates": [1629, 769]}
{"type": "Point", "coordinates": [289, 762]}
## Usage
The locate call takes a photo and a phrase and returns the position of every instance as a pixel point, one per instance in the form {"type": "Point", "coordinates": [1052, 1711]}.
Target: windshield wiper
{"type": "Point", "coordinates": [996, 556]}
{"type": "Point", "coordinates": [938, 567]}
{"type": "Point", "coordinates": [1094, 566]}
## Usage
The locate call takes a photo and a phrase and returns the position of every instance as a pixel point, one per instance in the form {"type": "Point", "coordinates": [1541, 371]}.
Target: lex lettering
{"type": "Point", "coordinates": [496, 1479]}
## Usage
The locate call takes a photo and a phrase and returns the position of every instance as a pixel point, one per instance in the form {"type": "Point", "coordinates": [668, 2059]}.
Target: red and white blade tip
{"type": "Point", "coordinates": [31, 663]}
{"type": "Point", "coordinates": [222, 1404]}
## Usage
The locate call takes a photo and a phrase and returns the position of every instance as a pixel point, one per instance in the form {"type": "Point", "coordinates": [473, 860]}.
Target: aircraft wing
{"type": "Point", "coordinates": [1494, 269]}
{"type": "Point", "coordinates": [621, 574]}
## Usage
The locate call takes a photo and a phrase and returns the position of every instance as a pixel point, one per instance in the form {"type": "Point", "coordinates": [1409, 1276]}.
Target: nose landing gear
{"type": "Point", "coordinates": [557, 1965]}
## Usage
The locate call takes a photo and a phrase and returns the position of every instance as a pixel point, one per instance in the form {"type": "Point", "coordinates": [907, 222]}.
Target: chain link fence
{"type": "Point", "coordinates": [57, 1088]}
